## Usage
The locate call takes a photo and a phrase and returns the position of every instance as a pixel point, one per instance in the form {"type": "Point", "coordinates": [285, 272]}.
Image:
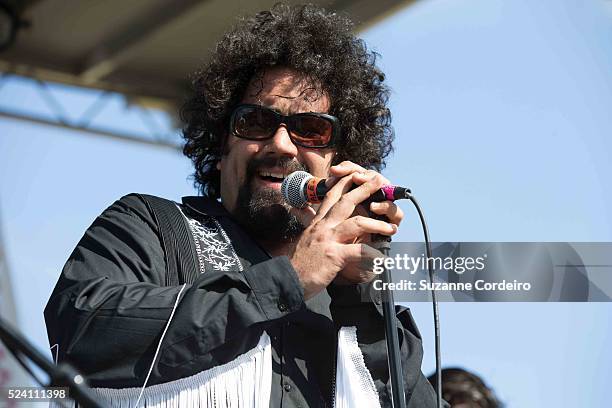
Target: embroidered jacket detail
{"type": "Point", "coordinates": [213, 246]}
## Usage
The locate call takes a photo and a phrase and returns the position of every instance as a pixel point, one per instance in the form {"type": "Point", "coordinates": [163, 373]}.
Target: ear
{"type": "Point", "coordinates": [218, 165]}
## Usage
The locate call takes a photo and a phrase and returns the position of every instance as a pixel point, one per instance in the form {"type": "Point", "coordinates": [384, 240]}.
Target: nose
{"type": "Point", "coordinates": [281, 143]}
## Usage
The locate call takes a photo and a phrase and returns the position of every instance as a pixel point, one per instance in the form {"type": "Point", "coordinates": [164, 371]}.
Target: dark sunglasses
{"type": "Point", "coordinates": [256, 122]}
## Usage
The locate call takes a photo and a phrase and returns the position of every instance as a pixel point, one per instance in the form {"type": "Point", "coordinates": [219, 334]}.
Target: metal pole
{"type": "Point", "coordinates": [393, 348]}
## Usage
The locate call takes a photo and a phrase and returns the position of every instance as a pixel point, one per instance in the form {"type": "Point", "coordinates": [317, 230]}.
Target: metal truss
{"type": "Point", "coordinates": [156, 135]}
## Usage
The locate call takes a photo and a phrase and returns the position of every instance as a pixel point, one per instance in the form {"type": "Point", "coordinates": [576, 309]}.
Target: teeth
{"type": "Point", "coordinates": [269, 174]}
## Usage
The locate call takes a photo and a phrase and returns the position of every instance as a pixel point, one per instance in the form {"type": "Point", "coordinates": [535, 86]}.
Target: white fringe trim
{"type": "Point", "coordinates": [354, 384]}
{"type": "Point", "coordinates": [244, 382]}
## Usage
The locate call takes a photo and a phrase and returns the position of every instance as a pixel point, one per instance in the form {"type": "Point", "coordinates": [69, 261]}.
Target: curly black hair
{"type": "Point", "coordinates": [312, 41]}
{"type": "Point", "coordinates": [460, 386]}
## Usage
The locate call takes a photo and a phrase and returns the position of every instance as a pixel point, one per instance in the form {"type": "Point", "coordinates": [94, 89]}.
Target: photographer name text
{"type": "Point", "coordinates": [458, 265]}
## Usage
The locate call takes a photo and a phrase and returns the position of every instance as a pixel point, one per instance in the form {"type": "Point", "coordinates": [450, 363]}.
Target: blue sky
{"type": "Point", "coordinates": [502, 118]}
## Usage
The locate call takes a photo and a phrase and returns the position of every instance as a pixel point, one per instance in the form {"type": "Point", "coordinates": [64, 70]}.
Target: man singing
{"type": "Point", "coordinates": [249, 302]}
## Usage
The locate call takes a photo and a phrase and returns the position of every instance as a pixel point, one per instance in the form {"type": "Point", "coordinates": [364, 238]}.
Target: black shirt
{"type": "Point", "coordinates": [110, 306]}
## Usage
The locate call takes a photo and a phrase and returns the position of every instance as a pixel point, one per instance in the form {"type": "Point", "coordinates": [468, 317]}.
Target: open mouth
{"type": "Point", "coordinates": [271, 176]}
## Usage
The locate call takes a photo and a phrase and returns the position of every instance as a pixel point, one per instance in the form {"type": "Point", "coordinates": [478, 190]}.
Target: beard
{"type": "Point", "coordinates": [263, 212]}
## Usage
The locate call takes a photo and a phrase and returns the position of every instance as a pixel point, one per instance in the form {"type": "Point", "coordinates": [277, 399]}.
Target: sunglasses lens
{"type": "Point", "coordinates": [311, 131]}
{"type": "Point", "coordinates": [259, 123]}
{"type": "Point", "coordinates": [255, 123]}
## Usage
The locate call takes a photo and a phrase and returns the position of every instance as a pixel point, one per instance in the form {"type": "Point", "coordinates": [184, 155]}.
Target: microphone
{"type": "Point", "coordinates": [300, 188]}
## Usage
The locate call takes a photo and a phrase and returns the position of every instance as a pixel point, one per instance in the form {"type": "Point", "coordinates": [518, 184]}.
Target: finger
{"type": "Point", "coordinates": [333, 195]}
{"type": "Point", "coordinates": [360, 178]}
{"type": "Point", "coordinates": [360, 253]}
{"type": "Point", "coordinates": [330, 181]}
{"type": "Point", "coordinates": [358, 226]}
{"type": "Point", "coordinates": [345, 168]}
{"type": "Point", "coordinates": [304, 215]}
{"type": "Point", "coordinates": [389, 209]}
{"type": "Point", "coordinates": [360, 263]}
{"type": "Point", "coordinates": [354, 276]}
{"type": "Point", "coordinates": [353, 253]}
{"type": "Point", "coordinates": [345, 206]}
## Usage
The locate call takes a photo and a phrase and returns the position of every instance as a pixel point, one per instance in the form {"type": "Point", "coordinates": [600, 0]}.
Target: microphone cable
{"type": "Point", "coordinates": [434, 302]}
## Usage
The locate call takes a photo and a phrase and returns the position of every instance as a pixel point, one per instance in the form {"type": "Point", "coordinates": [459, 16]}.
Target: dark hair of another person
{"type": "Point", "coordinates": [462, 388]}
{"type": "Point", "coordinates": [312, 41]}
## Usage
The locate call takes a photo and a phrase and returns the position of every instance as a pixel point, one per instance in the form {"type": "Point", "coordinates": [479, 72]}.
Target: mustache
{"type": "Point", "coordinates": [284, 163]}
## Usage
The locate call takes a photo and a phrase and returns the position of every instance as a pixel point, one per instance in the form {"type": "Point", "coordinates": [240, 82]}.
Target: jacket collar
{"type": "Point", "coordinates": [205, 205]}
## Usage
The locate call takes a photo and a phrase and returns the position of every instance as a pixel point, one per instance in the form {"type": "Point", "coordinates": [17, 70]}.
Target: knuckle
{"type": "Point", "coordinates": [317, 219]}
{"type": "Point", "coordinates": [330, 195]}
{"type": "Point", "coordinates": [374, 178]}
{"type": "Point", "coordinates": [345, 181]}
{"type": "Point", "coordinates": [317, 240]}
{"type": "Point", "coordinates": [331, 252]}
{"type": "Point", "coordinates": [378, 179]}
{"type": "Point", "coordinates": [317, 231]}
{"type": "Point", "coordinates": [360, 221]}
{"type": "Point", "coordinates": [344, 200]}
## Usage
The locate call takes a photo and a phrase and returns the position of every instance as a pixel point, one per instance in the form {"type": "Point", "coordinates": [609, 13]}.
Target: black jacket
{"type": "Point", "coordinates": [111, 304]}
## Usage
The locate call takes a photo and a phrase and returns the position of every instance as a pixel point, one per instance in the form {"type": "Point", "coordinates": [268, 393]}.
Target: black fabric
{"type": "Point", "coordinates": [112, 301]}
{"type": "Point", "coordinates": [181, 263]}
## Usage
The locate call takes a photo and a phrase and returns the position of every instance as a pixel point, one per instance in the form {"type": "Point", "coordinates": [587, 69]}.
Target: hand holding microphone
{"type": "Point", "coordinates": [300, 188]}
{"type": "Point", "coordinates": [326, 249]}
{"type": "Point", "coordinates": [343, 262]}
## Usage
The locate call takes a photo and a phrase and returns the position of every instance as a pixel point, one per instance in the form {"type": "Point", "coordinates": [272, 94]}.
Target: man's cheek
{"type": "Point", "coordinates": [317, 162]}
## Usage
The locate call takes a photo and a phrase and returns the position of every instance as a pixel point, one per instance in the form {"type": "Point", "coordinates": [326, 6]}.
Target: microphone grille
{"type": "Point", "coordinates": [293, 188]}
